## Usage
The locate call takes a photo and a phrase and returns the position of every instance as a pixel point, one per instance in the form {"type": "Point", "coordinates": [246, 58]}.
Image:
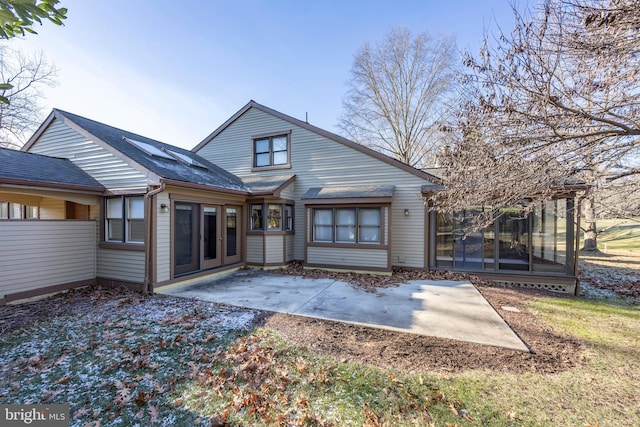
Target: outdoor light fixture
{"type": "Point", "coordinates": [164, 208]}
{"type": "Point", "coordinates": [406, 212]}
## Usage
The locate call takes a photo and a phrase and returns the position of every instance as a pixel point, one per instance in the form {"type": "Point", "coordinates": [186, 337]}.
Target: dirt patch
{"type": "Point", "coordinates": [551, 351]}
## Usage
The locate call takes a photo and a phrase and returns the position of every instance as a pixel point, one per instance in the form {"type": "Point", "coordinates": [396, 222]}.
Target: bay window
{"type": "Point", "coordinates": [271, 217]}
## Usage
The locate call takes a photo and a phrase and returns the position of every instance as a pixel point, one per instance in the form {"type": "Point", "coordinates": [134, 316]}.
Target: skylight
{"type": "Point", "coordinates": [186, 159]}
{"type": "Point", "coordinates": [149, 149]}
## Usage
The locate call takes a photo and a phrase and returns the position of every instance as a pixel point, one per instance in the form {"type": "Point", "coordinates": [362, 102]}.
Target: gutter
{"type": "Point", "coordinates": [148, 238]}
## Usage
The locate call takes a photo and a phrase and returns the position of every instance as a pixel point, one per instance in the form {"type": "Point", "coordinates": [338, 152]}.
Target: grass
{"type": "Point", "coordinates": [619, 234]}
{"type": "Point", "coordinates": [148, 362]}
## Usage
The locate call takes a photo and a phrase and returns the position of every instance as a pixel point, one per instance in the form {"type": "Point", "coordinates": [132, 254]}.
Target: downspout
{"type": "Point", "coordinates": [148, 238]}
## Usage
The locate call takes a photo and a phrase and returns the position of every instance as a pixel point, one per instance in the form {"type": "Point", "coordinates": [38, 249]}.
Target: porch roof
{"type": "Point", "coordinates": [29, 169]}
{"type": "Point", "coordinates": [260, 185]}
{"type": "Point", "coordinates": [349, 192]}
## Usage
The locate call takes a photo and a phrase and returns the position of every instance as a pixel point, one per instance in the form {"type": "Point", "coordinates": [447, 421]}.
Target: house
{"type": "Point", "coordinates": [262, 190]}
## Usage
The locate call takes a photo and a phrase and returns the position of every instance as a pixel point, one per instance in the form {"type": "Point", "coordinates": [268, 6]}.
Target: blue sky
{"type": "Point", "coordinates": [176, 70]}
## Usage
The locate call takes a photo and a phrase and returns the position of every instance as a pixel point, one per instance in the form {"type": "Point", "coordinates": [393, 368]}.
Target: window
{"type": "Point", "coordinates": [4, 210]}
{"type": "Point", "coordinates": [323, 225]}
{"type": "Point", "coordinates": [10, 210]}
{"type": "Point", "coordinates": [271, 151]}
{"type": "Point", "coordinates": [124, 219]}
{"type": "Point", "coordinates": [274, 220]}
{"type": "Point", "coordinates": [276, 216]}
{"type": "Point", "coordinates": [288, 217]}
{"type": "Point", "coordinates": [256, 217]}
{"type": "Point", "coordinates": [347, 225]}
{"type": "Point", "coordinates": [369, 225]}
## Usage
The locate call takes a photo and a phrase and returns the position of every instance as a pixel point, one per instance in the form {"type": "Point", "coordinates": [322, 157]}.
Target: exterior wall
{"type": "Point", "coordinates": [289, 251]}
{"type": "Point", "coordinates": [59, 140]}
{"type": "Point", "coordinates": [349, 258]}
{"type": "Point", "coordinates": [52, 209]}
{"type": "Point", "coordinates": [45, 254]}
{"type": "Point", "coordinates": [255, 244]}
{"type": "Point", "coordinates": [274, 249]}
{"type": "Point", "coordinates": [127, 266]}
{"type": "Point", "coordinates": [163, 238]}
{"type": "Point", "coordinates": [362, 256]}
{"type": "Point", "coordinates": [318, 161]}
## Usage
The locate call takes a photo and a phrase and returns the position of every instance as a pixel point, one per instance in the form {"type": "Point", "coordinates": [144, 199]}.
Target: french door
{"type": "Point", "coordinates": [205, 236]}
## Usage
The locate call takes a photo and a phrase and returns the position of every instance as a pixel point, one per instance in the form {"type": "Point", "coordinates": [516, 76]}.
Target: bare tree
{"type": "Point", "coordinates": [555, 101]}
{"type": "Point", "coordinates": [26, 75]}
{"type": "Point", "coordinates": [397, 92]}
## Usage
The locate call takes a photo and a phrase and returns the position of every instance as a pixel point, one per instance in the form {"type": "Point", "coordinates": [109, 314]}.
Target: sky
{"type": "Point", "coordinates": [176, 70]}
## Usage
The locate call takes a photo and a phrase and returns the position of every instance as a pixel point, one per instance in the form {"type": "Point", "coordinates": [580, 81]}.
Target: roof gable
{"type": "Point", "coordinates": [166, 161]}
{"type": "Point", "coordinates": [22, 168]}
{"type": "Point", "coordinates": [329, 135]}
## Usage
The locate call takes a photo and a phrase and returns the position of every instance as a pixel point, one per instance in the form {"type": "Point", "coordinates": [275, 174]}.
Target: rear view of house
{"type": "Point", "coordinates": [262, 190]}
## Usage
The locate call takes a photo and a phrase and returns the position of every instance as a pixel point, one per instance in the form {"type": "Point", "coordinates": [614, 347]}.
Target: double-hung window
{"type": "Point", "coordinates": [347, 225]}
{"type": "Point", "coordinates": [124, 219]}
{"type": "Point", "coordinates": [271, 151]}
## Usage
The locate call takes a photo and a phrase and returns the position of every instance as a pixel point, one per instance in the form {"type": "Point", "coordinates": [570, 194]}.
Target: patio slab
{"type": "Point", "coordinates": [439, 308]}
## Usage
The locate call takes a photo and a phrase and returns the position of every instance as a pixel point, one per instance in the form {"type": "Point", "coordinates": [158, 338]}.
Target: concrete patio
{"type": "Point", "coordinates": [446, 309]}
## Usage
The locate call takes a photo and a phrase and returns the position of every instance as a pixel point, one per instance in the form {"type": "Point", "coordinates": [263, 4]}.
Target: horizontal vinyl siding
{"type": "Point", "coordinates": [40, 254]}
{"type": "Point", "coordinates": [318, 161]}
{"type": "Point", "coordinates": [345, 257]}
{"type": "Point", "coordinates": [121, 265]}
{"type": "Point", "coordinates": [274, 246]}
{"type": "Point", "coordinates": [290, 247]}
{"type": "Point", "coordinates": [59, 140]}
{"type": "Point", "coordinates": [163, 238]}
{"type": "Point", "coordinates": [255, 249]}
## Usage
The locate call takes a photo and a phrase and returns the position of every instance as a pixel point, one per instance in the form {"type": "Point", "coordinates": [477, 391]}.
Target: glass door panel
{"type": "Point", "coordinates": [211, 237]}
{"type": "Point", "coordinates": [467, 242]}
{"type": "Point", "coordinates": [185, 238]}
{"type": "Point", "coordinates": [232, 247]}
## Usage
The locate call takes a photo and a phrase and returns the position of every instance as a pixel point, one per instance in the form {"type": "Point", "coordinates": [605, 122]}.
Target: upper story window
{"type": "Point", "coordinates": [124, 219]}
{"type": "Point", "coordinates": [271, 151]}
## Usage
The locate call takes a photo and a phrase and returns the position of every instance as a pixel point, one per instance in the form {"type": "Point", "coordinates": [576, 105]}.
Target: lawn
{"type": "Point", "coordinates": [129, 360]}
{"type": "Point", "coordinates": [619, 234]}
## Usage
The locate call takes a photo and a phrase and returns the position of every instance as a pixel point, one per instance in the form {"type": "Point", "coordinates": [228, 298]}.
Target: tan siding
{"type": "Point", "coordinates": [317, 161]}
{"type": "Point", "coordinates": [347, 257]}
{"type": "Point", "coordinates": [52, 209]}
{"type": "Point", "coordinates": [46, 253]}
{"type": "Point", "coordinates": [59, 140]}
{"type": "Point", "coordinates": [121, 265]}
{"type": "Point", "coordinates": [255, 249]}
{"type": "Point", "coordinates": [163, 238]}
{"type": "Point", "coordinates": [290, 248]}
{"type": "Point", "coordinates": [274, 246]}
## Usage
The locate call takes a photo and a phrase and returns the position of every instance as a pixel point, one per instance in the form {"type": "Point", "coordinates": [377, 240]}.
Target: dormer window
{"type": "Point", "coordinates": [271, 151]}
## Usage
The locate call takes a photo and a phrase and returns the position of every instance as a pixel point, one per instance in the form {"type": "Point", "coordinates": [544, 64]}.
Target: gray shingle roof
{"type": "Point", "coordinates": [348, 192]}
{"type": "Point", "coordinates": [30, 168]}
{"type": "Point", "coordinates": [266, 184]}
{"type": "Point", "coordinates": [168, 167]}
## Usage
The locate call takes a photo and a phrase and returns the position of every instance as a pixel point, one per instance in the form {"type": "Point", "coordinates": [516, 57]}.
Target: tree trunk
{"type": "Point", "coordinates": [590, 242]}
